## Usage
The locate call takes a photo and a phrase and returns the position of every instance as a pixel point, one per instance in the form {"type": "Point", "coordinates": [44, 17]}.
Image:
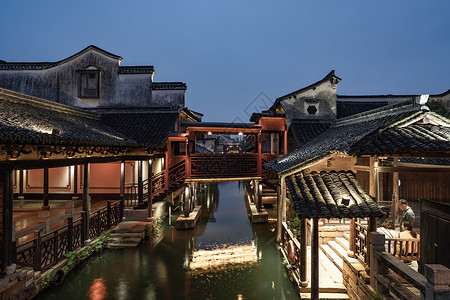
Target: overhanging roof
{"type": "Point", "coordinates": [324, 195]}
{"type": "Point", "coordinates": [355, 135]}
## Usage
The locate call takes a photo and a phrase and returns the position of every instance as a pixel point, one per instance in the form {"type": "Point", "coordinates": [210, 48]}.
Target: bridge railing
{"type": "Point", "coordinates": [229, 165]}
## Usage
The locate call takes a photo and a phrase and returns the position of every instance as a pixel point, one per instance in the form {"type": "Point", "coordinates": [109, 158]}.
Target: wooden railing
{"type": "Point", "coordinates": [158, 183]}
{"type": "Point", "coordinates": [290, 247]}
{"type": "Point", "coordinates": [361, 246]}
{"type": "Point", "coordinates": [177, 174]}
{"type": "Point", "coordinates": [404, 249]}
{"type": "Point", "coordinates": [391, 277]}
{"type": "Point", "coordinates": [131, 195]}
{"type": "Point", "coordinates": [224, 165]}
{"type": "Point", "coordinates": [44, 251]}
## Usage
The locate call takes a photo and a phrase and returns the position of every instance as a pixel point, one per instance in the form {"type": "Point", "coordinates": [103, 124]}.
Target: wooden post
{"type": "Point", "coordinates": [283, 199]}
{"type": "Point", "coordinates": [395, 197]}
{"type": "Point", "coordinates": [150, 187]}
{"type": "Point", "coordinates": [140, 184]}
{"type": "Point", "coordinates": [45, 205]}
{"type": "Point", "coordinates": [84, 232]}
{"type": "Point", "coordinates": [70, 234]}
{"type": "Point", "coordinates": [373, 178]}
{"type": "Point", "coordinates": [258, 149]}
{"type": "Point", "coordinates": [21, 184]}
{"type": "Point", "coordinates": [75, 182]}
{"type": "Point", "coordinates": [315, 260]}
{"type": "Point", "coordinates": [279, 215]}
{"type": "Point", "coordinates": [6, 201]}
{"type": "Point", "coordinates": [303, 252]}
{"type": "Point", "coordinates": [352, 239]}
{"type": "Point", "coordinates": [37, 253]}
{"type": "Point", "coordinates": [259, 203]}
{"type": "Point", "coordinates": [122, 179]}
{"type": "Point", "coordinates": [86, 200]}
{"type": "Point", "coordinates": [371, 228]}
{"type": "Point", "coordinates": [108, 214]}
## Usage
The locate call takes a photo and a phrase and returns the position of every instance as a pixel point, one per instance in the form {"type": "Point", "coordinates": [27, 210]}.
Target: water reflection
{"type": "Point", "coordinates": [240, 260]}
{"type": "Point", "coordinates": [97, 290]}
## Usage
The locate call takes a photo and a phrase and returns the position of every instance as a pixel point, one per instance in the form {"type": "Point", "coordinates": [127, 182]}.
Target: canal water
{"type": "Point", "coordinates": [224, 257]}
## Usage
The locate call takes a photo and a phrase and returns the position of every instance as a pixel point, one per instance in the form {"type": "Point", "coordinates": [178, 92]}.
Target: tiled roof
{"type": "Point", "coordinates": [306, 130]}
{"type": "Point", "coordinates": [45, 65]}
{"type": "Point", "coordinates": [29, 120]}
{"type": "Point", "coordinates": [413, 139]}
{"type": "Point", "coordinates": [346, 133]}
{"type": "Point", "coordinates": [148, 127]}
{"type": "Point", "coordinates": [136, 70]}
{"type": "Point", "coordinates": [169, 86]}
{"type": "Point", "coordinates": [321, 195]}
{"type": "Point", "coordinates": [349, 108]}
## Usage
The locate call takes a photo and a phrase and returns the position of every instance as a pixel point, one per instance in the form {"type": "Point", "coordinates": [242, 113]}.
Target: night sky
{"type": "Point", "coordinates": [232, 52]}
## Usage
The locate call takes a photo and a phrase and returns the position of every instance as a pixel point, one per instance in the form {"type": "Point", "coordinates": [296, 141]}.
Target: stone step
{"type": "Point", "coordinates": [341, 252]}
{"type": "Point", "coordinates": [121, 245]}
{"type": "Point", "coordinates": [126, 235]}
{"type": "Point", "coordinates": [333, 256]}
{"type": "Point", "coordinates": [326, 296]}
{"type": "Point", "coordinates": [125, 240]}
{"type": "Point", "coordinates": [342, 242]}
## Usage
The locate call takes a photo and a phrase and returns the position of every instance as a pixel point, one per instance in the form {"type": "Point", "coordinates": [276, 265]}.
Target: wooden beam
{"type": "Point", "coordinates": [122, 178]}
{"type": "Point", "coordinates": [140, 184]}
{"type": "Point", "coordinates": [149, 188]}
{"type": "Point", "coordinates": [384, 169]}
{"type": "Point", "coordinates": [221, 179]}
{"type": "Point", "coordinates": [395, 197]}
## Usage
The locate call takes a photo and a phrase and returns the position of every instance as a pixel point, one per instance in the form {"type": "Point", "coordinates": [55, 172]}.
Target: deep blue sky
{"type": "Point", "coordinates": [228, 52]}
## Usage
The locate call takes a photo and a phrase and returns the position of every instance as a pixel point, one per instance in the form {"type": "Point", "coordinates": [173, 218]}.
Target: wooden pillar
{"type": "Point", "coordinates": [75, 182]}
{"type": "Point", "coordinates": [303, 252]}
{"type": "Point", "coordinates": [86, 200]}
{"type": "Point", "coordinates": [45, 205]}
{"type": "Point", "coordinates": [21, 184]}
{"type": "Point", "coordinates": [150, 188]}
{"type": "Point", "coordinates": [122, 179]}
{"type": "Point", "coordinates": [6, 200]}
{"type": "Point", "coordinates": [373, 178]}
{"type": "Point", "coordinates": [283, 199]}
{"type": "Point", "coordinates": [140, 184]}
{"type": "Point", "coordinates": [352, 239]}
{"type": "Point", "coordinates": [258, 147]}
{"type": "Point", "coordinates": [279, 215]}
{"type": "Point", "coordinates": [371, 228]}
{"type": "Point", "coordinates": [315, 259]}
{"type": "Point", "coordinates": [395, 197]}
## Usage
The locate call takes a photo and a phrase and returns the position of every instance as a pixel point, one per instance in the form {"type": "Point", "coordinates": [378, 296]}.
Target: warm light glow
{"type": "Point", "coordinates": [209, 132]}
{"type": "Point", "coordinates": [97, 290]}
{"type": "Point", "coordinates": [223, 257]}
{"type": "Point", "coordinates": [240, 133]}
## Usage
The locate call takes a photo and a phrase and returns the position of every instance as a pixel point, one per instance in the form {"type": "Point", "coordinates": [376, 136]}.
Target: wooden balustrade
{"type": "Point", "coordinates": [44, 251]}
{"type": "Point", "coordinates": [224, 165]}
{"type": "Point", "coordinates": [361, 246]}
{"type": "Point", "coordinates": [158, 183]}
{"type": "Point", "coordinates": [404, 249]}
{"type": "Point", "coordinates": [177, 174]}
{"type": "Point", "coordinates": [290, 249]}
{"type": "Point", "coordinates": [130, 196]}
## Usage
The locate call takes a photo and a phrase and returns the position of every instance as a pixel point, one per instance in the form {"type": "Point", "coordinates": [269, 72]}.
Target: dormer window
{"type": "Point", "coordinates": [89, 83]}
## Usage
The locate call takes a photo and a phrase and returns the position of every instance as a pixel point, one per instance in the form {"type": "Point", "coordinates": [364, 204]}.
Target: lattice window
{"type": "Point", "coordinates": [89, 84]}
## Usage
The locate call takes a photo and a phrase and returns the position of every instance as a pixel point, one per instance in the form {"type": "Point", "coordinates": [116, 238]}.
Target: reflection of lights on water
{"type": "Point", "coordinates": [222, 257]}
{"type": "Point", "coordinates": [97, 291]}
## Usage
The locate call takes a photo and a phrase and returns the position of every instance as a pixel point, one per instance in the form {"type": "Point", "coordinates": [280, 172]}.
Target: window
{"type": "Point", "coordinates": [178, 148]}
{"type": "Point", "coordinates": [270, 142]}
{"type": "Point", "coordinates": [89, 84]}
